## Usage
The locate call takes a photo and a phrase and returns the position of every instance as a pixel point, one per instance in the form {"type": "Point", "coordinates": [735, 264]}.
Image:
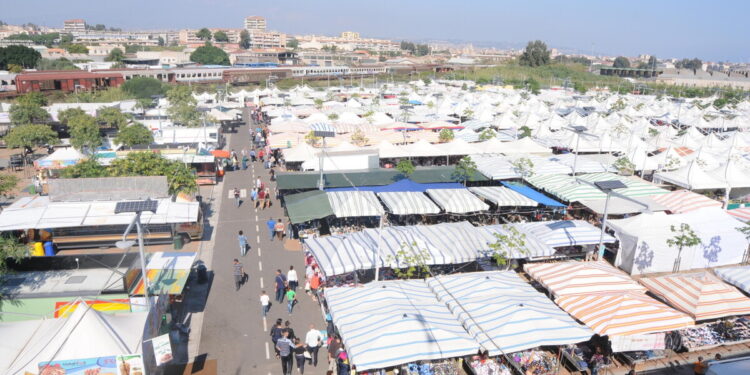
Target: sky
{"type": "Point", "coordinates": [713, 31]}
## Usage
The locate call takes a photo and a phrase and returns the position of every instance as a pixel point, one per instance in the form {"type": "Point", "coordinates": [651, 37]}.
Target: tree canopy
{"type": "Point", "coordinates": [209, 55]}
{"type": "Point", "coordinates": [84, 132]}
{"type": "Point", "coordinates": [244, 39]}
{"type": "Point", "coordinates": [143, 87]}
{"type": "Point", "coordinates": [87, 168]}
{"type": "Point", "coordinates": [8, 182]}
{"type": "Point", "coordinates": [30, 135]}
{"type": "Point", "coordinates": [111, 117]}
{"type": "Point", "coordinates": [59, 64]}
{"type": "Point", "coordinates": [415, 49]}
{"type": "Point", "coordinates": [77, 48]}
{"type": "Point", "coordinates": [406, 167]}
{"type": "Point", "coordinates": [221, 36]}
{"type": "Point", "coordinates": [65, 115]}
{"type": "Point", "coordinates": [134, 134]}
{"type": "Point", "coordinates": [204, 34]}
{"type": "Point", "coordinates": [621, 62]}
{"type": "Point", "coordinates": [28, 109]}
{"type": "Point", "coordinates": [694, 64]}
{"type": "Point", "coordinates": [179, 177]}
{"type": "Point", "coordinates": [292, 43]}
{"type": "Point", "coordinates": [115, 55]}
{"type": "Point", "coordinates": [18, 55]}
{"type": "Point", "coordinates": [465, 169]}
{"type": "Point", "coordinates": [535, 54]}
{"type": "Point", "coordinates": [182, 106]}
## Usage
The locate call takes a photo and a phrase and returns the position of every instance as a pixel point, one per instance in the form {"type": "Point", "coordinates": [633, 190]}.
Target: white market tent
{"type": "Point", "coordinates": [682, 201]}
{"type": "Point", "coordinates": [644, 249]}
{"type": "Point", "coordinates": [39, 213]}
{"type": "Point", "coordinates": [533, 247]}
{"type": "Point", "coordinates": [385, 324]}
{"type": "Point", "coordinates": [701, 295]}
{"type": "Point", "coordinates": [691, 177]}
{"type": "Point", "coordinates": [459, 201]}
{"type": "Point", "coordinates": [565, 233]}
{"type": "Point", "coordinates": [408, 203]}
{"type": "Point", "coordinates": [738, 276]}
{"type": "Point", "coordinates": [86, 333]}
{"type": "Point", "coordinates": [504, 313]}
{"type": "Point", "coordinates": [503, 196]}
{"type": "Point", "coordinates": [354, 203]}
{"type": "Point", "coordinates": [573, 278]}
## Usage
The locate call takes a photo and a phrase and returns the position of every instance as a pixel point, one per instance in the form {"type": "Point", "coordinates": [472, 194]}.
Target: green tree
{"type": "Point", "coordinates": [244, 39]}
{"type": "Point", "coordinates": [409, 261]}
{"type": "Point", "coordinates": [445, 135]}
{"type": "Point", "coordinates": [535, 54]}
{"type": "Point", "coordinates": [179, 177]}
{"type": "Point", "coordinates": [84, 132]}
{"type": "Point", "coordinates": [292, 43]}
{"type": "Point", "coordinates": [221, 36]}
{"type": "Point", "coordinates": [65, 115]}
{"type": "Point", "coordinates": [624, 166]}
{"type": "Point", "coordinates": [18, 55]}
{"type": "Point", "coordinates": [318, 103]}
{"type": "Point", "coordinates": [406, 167]}
{"type": "Point", "coordinates": [111, 117]}
{"type": "Point", "coordinates": [143, 87]}
{"type": "Point", "coordinates": [465, 169]}
{"type": "Point", "coordinates": [77, 48]}
{"type": "Point", "coordinates": [694, 64]}
{"type": "Point", "coordinates": [487, 134]}
{"type": "Point", "coordinates": [10, 248]}
{"type": "Point", "coordinates": [510, 241]}
{"type": "Point", "coordinates": [181, 95]}
{"type": "Point", "coordinates": [59, 64]}
{"type": "Point", "coordinates": [523, 166]}
{"type": "Point", "coordinates": [359, 138]}
{"type": "Point", "coordinates": [312, 139]}
{"type": "Point", "coordinates": [468, 114]}
{"type": "Point", "coordinates": [30, 135]}
{"type": "Point", "coordinates": [28, 109]}
{"type": "Point", "coordinates": [8, 183]}
{"type": "Point", "coordinates": [204, 34]}
{"type": "Point", "coordinates": [115, 55]}
{"type": "Point", "coordinates": [684, 237]}
{"type": "Point", "coordinates": [160, 41]}
{"type": "Point", "coordinates": [621, 62]}
{"type": "Point", "coordinates": [333, 116]}
{"type": "Point", "coordinates": [525, 132]}
{"type": "Point", "coordinates": [33, 98]}
{"type": "Point", "coordinates": [134, 134]}
{"type": "Point", "coordinates": [579, 87]}
{"type": "Point", "coordinates": [209, 55]}
{"type": "Point", "coordinates": [533, 86]}
{"type": "Point", "coordinates": [86, 168]}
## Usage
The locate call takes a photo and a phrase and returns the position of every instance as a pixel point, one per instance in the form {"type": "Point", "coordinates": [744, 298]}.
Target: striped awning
{"type": "Point", "coordinates": [504, 313]}
{"type": "Point", "coordinates": [569, 189]}
{"type": "Point", "coordinates": [565, 233]}
{"type": "Point", "coordinates": [741, 213]}
{"type": "Point", "coordinates": [457, 201]}
{"type": "Point", "coordinates": [737, 276]}
{"type": "Point", "coordinates": [636, 186]}
{"type": "Point", "coordinates": [682, 201]}
{"type": "Point", "coordinates": [503, 196]}
{"type": "Point", "coordinates": [408, 203]}
{"type": "Point", "coordinates": [533, 247]}
{"type": "Point", "coordinates": [624, 313]}
{"type": "Point", "coordinates": [701, 295]}
{"type": "Point", "coordinates": [354, 203]}
{"type": "Point", "coordinates": [575, 278]}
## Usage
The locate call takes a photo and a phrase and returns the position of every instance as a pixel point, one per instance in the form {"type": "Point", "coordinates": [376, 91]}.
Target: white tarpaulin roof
{"type": "Point", "coordinates": [458, 201]}
{"type": "Point", "coordinates": [503, 196]}
{"type": "Point", "coordinates": [354, 203]}
{"type": "Point", "coordinates": [682, 201]}
{"type": "Point", "coordinates": [565, 233]}
{"type": "Point", "coordinates": [408, 203]}
{"type": "Point", "coordinates": [643, 241]}
{"type": "Point", "coordinates": [40, 213]}
{"type": "Point", "coordinates": [691, 177]}
{"type": "Point", "coordinates": [86, 333]}
{"type": "Point", "coordinates": [533, 247]}
{"type": "Point", "coordinates": [737, 276]}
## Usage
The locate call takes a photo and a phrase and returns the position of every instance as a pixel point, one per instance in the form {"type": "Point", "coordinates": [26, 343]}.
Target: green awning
{"type": "Point", "coordinates": [307, 206]}
{"type": "Point", "coordinates": [371, 177]}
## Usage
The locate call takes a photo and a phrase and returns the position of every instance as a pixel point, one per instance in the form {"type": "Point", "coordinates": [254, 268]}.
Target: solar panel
{"type": "Point", "coordinates": [610, 185]}
{"type": "Point", "coordinates": [137, 206]}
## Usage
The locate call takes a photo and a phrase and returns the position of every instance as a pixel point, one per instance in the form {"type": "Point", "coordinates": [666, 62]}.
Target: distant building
{"type": "Point", "coordinates": [266, 39]}
{"type": "Point", "coordinates": [165, 57]}
{"type": "Point", "coordinates": [188, 36]}
{"type": "Point", "coordinates": [347, 44]}
{"type": "Point", "coordinates": [256, 23]}
{"type": "Point", "coordinates": [74, 26]}
{"type": "Point", "coordinates": [700, 78]}
{"type": "Point", "coordinates": [350, 35]}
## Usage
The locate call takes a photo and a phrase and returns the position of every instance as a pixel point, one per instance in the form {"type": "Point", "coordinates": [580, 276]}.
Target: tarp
{"type": "Point", "coordinates": [532, 247]}
{"type": "Point", "coordinates": [701, 295]}
{"type": "Point", "coordinates": [622, 206]}
{"type": "Point", "coordinates": [307, 206]}
{"type": "Point", "coordinates": [643, 241]}
{"type": "Point", "coordinates": [624, 313]}
{"type": "Point", "coordinates": [532, 194]}
{"type": "Point", "coordinates": [457, 200]}
{"type": "Point", "coordinates": [408, 203]}
{"type": "Point", "coordinates": [61, 158]}
{"type": "Point", "coordinates": [574, 278]}
{"type": "Point", "coordinates": [691, 177]}
{"type": "Point", "coordinates": [354, 203]}
{"type": "Point", "coordinates": [401, 186]}
{"type": "Point", "coordinates": [504, 313]}
{"type": "Point", "coordinates": [682, 201]}
{"type": "Point", "coordinates": [565, 233]}
{"type": "Point", "coordinates": [569, 189]}
{"type": "Point", "coordinates": [741, 213]}
{"type": "Point", "coordinates": [737, 276]}
{"type": "Point", "coordinates": [385, 324]}
{"type": "Point", "coordinates": [502, 196]}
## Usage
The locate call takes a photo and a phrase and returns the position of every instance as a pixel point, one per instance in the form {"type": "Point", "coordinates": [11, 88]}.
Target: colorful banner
{"type": "Point", "coordinates": [64, 308]}
{"type": "Point", "coordinates": [127, 364]}
{"type": "Point", "coordinates": [632, 343]}
{"type": "Point", "coordinates": [162, 349]}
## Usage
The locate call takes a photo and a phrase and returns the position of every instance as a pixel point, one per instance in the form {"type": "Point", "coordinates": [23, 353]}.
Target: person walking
{"type": "Point", "coordinates": [244, 162]}
{"type": "Point", "coordinates": [266, 198]}
{"type": "Point", "coordinates": [284, 346]}
{"type": "Point", "coordinates": [280, 286]}
{"type": "Point", "coordinates": [313, 342]}
{"type": "Point", "coordinates": [254, 196]}
{"type": "Point", "coordinates": [276, 333]}
{"type": "Point", "coordinates": [291, 279]}
{"type": "Point", "coordinates": [252, 156]}
{"type": "Point", "coordinates": [271, 224]}
{"type": "Point", "coordinates": [262, 201]}
{"type": "Point", "coordinates": [237, 196]}
{"type": "Point", "coordinates": [238, 272]}
{"type": "Point", "coordinates": [243, 243]}
{"type": "Point", "coordinates": [258, 183]}
{"type": "Point", "coordinates": [299, 354]}
{"type": "Point", "coordinates": [291, 300]}
{"type": "Point", "coordinates": [265, 303]}
{"type": "Point", "coordinates": [333, 351]}
{"type": "Point", "coordinates": [288, 329]}
{"type": "Point", "coordinates": [279, 228]}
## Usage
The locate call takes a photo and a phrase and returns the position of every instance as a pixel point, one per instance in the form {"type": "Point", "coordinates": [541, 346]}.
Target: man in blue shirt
{"type": "Point", "coordinates": [284, 346]}
{"type": "Point", "coordinates": [280, 286]}
{"type": "Point", "coordinates": [271, 224]}
{"type": "Point", "coordinates": [243, 243]}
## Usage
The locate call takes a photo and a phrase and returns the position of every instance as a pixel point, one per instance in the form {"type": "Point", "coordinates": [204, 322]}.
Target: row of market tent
{"type": "Point", "coordinates": [389, 323]}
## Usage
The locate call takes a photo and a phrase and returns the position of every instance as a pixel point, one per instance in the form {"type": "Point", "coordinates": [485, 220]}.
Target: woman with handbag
{"type": "Point", "coordinates": [300, 355]}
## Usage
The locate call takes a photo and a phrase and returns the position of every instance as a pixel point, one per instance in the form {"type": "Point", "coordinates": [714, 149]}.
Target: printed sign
{"type": "Point", "coordinates": [162, 349]}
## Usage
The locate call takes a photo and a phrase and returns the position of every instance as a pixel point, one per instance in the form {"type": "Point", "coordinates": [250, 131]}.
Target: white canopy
{"type": "Point", "coordinates": [503, 196]}
{"type": "Point", "coordinates": [354, 203]}
{"type": "Point", "coordinates": [458, 201]}
{"type": "Point", "coordinates": [691, 177]}
{"type": "Point", "coordinates": [408, 203]}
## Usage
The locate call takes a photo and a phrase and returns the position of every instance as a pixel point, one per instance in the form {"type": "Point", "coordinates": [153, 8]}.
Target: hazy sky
{"type": "Point", "coordinates": [711, 30]}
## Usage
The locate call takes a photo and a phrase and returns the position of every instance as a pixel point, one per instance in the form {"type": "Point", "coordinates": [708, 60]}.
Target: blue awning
{"type": "Point", "coordinates": [403, 185]}
{"type": "Point", "coordinates": [532, 194]}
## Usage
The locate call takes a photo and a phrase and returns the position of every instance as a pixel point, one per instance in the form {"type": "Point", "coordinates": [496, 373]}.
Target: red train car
{"type": "Point", "coordinates": [67, 81]}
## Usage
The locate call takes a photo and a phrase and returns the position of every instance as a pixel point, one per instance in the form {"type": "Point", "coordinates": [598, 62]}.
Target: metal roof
{"type": "Point", "coordinates": [108, 188]}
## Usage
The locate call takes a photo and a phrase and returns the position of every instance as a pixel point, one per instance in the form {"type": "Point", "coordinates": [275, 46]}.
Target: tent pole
{"type": "Point", "coordinates": [380, 241]}
{"type": "Point", "coordinates": [600, 248]}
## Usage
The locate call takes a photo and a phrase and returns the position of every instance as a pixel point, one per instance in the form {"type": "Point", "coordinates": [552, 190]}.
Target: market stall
{"type": "Point", "coordinates": [738, 276]}
{"type": "Point", "coordinates": [459, 201]}
{"type": "Point", "coordinates": [682, 201]}
{"type": "Point", "coordinates": [408, 203]}
{"type": "Point", "coordinates": [710, 335]}
{"type": "Point", "coordinates": [305, 209]}
{"type": "Point", "coordinates": [565, 233]}
{"type": "Point", "coordinates": [573, 278]}
{"type": "Point", "coordinates": [354, 204]}
{"type": "Point", "coordinates": [503, 197]}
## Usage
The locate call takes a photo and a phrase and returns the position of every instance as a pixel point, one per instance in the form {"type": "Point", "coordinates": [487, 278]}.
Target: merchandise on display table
{"type": "Point", "coordinates": [726, 332]}
{"type": "Point", "coordinates": [535, 362]}
{"type": "Point", "coordinates": [436, 368]}
{"type": "Point", "coordinates": [645, 355]}
{"type": "Point", "coordinates": [482, 365]}
{"type": "Point", "coordinates": [582, 357]}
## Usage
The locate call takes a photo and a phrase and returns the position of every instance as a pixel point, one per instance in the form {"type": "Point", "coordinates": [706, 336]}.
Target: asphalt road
{"type": "Point", "coordinates": [233, 331]}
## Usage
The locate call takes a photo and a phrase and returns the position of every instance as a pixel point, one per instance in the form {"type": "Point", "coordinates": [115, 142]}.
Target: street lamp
{"type": "Point", "coordinates": [579, 130]}
{"type": "Point", "coordinates": [607, 187]}
{"type": "Point", "coordinates": [137, 207]}
{"type": "Point", "coordinates": [324, 131]}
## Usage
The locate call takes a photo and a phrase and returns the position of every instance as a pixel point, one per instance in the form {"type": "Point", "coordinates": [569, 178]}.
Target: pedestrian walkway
{"type": "Point", "coordinates": [234, 332]}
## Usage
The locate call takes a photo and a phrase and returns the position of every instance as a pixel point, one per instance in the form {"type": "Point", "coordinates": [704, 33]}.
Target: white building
{"type": "Point", "coordinates": [257, 23]}
{"type": "Point", "coordinates": [74, 26]}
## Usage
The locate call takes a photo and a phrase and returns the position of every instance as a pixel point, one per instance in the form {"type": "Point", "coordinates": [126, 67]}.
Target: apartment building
{"type": "Point", "coordinates": [266, 39]}
{"type": "Point", "coordinates": [350, 35]}
{"type": "Point", "coordinates": [347, 44]}
{"type": "Point", "coordinates": [74, 26]}
{"type": "Point", "coordinates": [257, 23]}
{"type": "Point", "coordinates": [188, 36]}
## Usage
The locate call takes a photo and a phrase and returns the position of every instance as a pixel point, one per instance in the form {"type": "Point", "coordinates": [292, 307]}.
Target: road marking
{"type": "Point", "coordinates": [265, 327]}
{"type": "Point", "coordinates": [257, 229]}
{"type": "Point", "coordinates": [258, 251]}
{"type": "Point", "coordinates": [260, 266]}
{"type": "Point", "coordinates": [256, 216]}
{"type": "Point", "coordinates": [257, 238]}
{"type": "Point", "coordinates": [261, 286]}
{"type": "Point", "coordinates": [267, 355]}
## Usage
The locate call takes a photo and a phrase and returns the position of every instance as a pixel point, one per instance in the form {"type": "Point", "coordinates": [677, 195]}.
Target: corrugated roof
{"type": "Point", "coordinates": [370, 177]}
{"type": "Point", "coordinates": [108, 188]}
{"type": "Point", "coordinates": [71, 74]}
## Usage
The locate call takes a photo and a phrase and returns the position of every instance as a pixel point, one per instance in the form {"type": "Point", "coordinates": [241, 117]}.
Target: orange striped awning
{"type": "Point", "coordinates": [701, 295]}
{"type": "Point", "coordinates": [682, 201]}
{"type": "Point", "coordinates": [573, 278]}
{"type": "Point", "coordinates": [624, 313]}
